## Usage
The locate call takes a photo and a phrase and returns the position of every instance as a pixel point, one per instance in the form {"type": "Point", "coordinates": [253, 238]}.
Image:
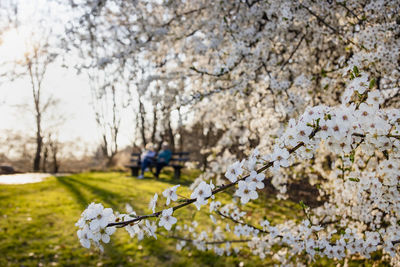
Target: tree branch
{"type": "Point", "coordinates": [293, 52]}
{"type": "Point", "coordinates": [215, 191]}
{"type": "Point", "coordinates": [205, 242]}
{"type": "Point", "coordinates": [242, 223]}
{"type": "Point", "coordinates": [223, 71]}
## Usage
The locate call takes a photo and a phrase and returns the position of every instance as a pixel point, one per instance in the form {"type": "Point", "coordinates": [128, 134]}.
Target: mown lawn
{"type": "Point", "coordinates": [37, 223]}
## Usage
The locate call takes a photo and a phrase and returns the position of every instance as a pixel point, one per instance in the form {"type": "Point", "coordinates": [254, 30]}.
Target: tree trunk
{"type": "Point", "coordinates": [180, 130]}
{"type": "Point", "coordinates": [54, 152]}
{"type": "Point", "coordinates": [110, 161]}
{"type": "Point", "coordinates": [142, 124]}
{"type": "Point", "coordinates": [115, 125]}
{"type": "Point", "coordinates": [153, 133]}
{"type": "Point", "coordinates": [36, 161]}
{"type": "Point", "coordinates": [45, 156]}
{"type": "Point", "coordinates": [105, 146]}
{"type": "Point", "coordinates": [170, 135]}
{"type": "Point", "coordinates": [56, 164]}
{"type": "Point", "coordinates": [205, 144]}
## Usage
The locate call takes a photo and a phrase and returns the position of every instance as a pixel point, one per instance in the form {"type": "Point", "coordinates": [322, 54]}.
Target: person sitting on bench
{"type": "Point", "coordinates": [164, 156]}
{"type": "Point", "coordinates": [147, 158]}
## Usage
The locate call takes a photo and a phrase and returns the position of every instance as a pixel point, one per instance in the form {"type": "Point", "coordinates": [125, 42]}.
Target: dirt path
{"type": "Point", "coordinates": [23, 178]}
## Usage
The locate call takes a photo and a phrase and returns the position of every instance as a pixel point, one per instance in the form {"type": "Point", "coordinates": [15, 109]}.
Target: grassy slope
{"type": "Point", "coordinates": [37, 223]}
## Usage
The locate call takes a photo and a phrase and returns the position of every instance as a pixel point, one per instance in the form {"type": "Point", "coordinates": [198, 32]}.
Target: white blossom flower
{"type": "Point", "coordinates": [129, 208]}
{"type": "Point", "coordinates": [84, 236]}
{"type": "Point", "coordinates": [252, 160]}
{"type": "Point", "coordinates": [364, 113]}
{"type": "Point", "coordinates": [303, 133]}
{"type": "Point", "coordinates": [93, 225]}
{"type": "Point", "coordinates": [246, 191]}
{"type": "Point", "coordinates": [106, 233]}
{"type": "Point", "coordinates": [134, 229]}
{"type": "Point", "coordinates": [215, 205]}
{"type": "Point", "coordinates": [153, 203]}
{"type": "Point", "coordinates": [280, 157]}
{"type": "Point", "coordinates": [346, 96]}
{"type": "Point", "coordinates": [360, 83]}
{"type": "Point", "coordinates": [236, 214]}
{"type": "Point", "coordinates": [180, 245]}
{"type": "Point", "coordinates": [102, 219]}
{"type": "Point", "coordinates": [202, 192]}
{"type": "Point", "coordinates": [167, 220]}
{"type": "Point", "coordinates": [234, 171]}
{"type": "Point", "coordinates": [374, 99]}
{"type": "Point", "coordinates": [213, 219]}
{"type": "Point", "coordinates": [151, 229]}
{"type": "Point", "coordinates": [264, 224]}
{"type": "Point", "coordinates": [170, 194]}
{"type": "Point", "coordinates": [257, 178]}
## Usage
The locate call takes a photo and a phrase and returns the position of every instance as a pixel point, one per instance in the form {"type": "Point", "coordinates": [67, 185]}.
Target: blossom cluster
{"type": "Point", "coordinates": [93, 225]}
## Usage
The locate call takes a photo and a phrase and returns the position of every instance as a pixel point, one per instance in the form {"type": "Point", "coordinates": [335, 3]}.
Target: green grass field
{"type": "Point", "coordinates": [37, 223]}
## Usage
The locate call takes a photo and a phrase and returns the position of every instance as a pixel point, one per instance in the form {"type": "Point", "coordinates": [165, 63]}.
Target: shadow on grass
{"type": "Point", "coordinates": [74, 185]}
{"type": "Point", "coordinates": [114, 253]}
{"type": "Point", "coordinates": [80, 198]}
{"type": "Point", "coordinates": [167, 176]}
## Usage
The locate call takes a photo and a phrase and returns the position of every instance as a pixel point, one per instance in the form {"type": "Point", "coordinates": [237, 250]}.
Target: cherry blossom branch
{"type": "Point", "coordinates": [178, 16]}
{"type": "Point", "coordinates": [343, 4]}
{"type": "Point", "coordinates": [215, 191]}
{"type": "Point", "coordinates": [200, 96]}
{"type": "Point", "coordinates": [322, 223]}
{"type": "Point", "coordinates": [293, 52]}
{"type": "Point", "coordinates": [387, 135]}
{"type": "Point", "coordinates": [242, 223]}
{"type": "Point", "coordinates": [336, 31]}
{"type": "Point", "coordinates": [250, 4]}
{"type": "Point", "coordinates": [205, 242]}
{"type": "Point", "coordinates": [223, 187]}
{"type": "Point", "coordinates": [222, 72]}
{"type": "Point", "coordinates": [320, 19]}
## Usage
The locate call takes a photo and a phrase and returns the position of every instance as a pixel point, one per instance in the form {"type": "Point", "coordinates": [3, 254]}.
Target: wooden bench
{"type": "Point", "coordinates": [177, 162]}
{"type": "Point", "coordinates": [5, 169]}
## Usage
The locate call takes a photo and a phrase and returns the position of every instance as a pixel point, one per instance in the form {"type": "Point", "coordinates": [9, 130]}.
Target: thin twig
{"type": "Point", "coordinates": [222, 72]}
{"type": "Point", "coordinates": [205, 242]}
{"type": "Point", "coordinates": [242, 223]}
{"type": "Point", "coordinates": [343, 4]}
{"type": "Point", "coordinates": [336, 31]}
{"type": "Point", "coordinates": [293, 52]}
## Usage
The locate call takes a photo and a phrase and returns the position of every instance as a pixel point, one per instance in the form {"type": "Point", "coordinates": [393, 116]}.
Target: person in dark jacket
{"type": "Point", "coordinates": [147, 157]}
{"type": "Point", "coordinates": [163, 158]}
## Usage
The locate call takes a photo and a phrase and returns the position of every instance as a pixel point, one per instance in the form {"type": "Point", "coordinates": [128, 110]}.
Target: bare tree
{"type": "Point", "coordinates": [110, 147]}
{"type": "Point", "coordinates": [36, 64]}
{"type": "Point", "coordinates": [142, 124]}
{"type": "Point", "coordinates": [53, 150]}
{"type": "Point", "coordinates": [15, 148]}
{"type": "Point", "coordinates": [108, 104]}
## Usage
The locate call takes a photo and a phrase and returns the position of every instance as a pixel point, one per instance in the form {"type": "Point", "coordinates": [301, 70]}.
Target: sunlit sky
{"type": "Point", "coordinates": [64, 84]}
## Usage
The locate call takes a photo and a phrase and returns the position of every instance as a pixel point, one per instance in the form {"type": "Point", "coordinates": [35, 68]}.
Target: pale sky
{"type": "Point", "coordinates": [74, 94]}
{"type": "Point", "coordinates": [64, 84]}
